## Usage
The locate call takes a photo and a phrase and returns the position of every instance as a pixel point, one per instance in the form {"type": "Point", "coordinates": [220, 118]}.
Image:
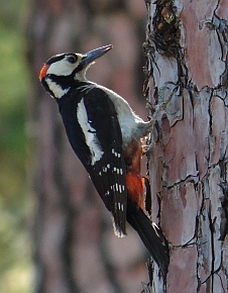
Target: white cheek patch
{"type": "Point", "coordinates": [61, 67]}
{"type": "Point", "coordinates": [89, 132]}
{"type": "Point", "coordinates": [56, 89]}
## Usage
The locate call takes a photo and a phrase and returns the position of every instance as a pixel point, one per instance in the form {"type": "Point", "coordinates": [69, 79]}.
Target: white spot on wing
{"type": "Point", "coordinates": [117, 230]}
{"type": "Point", "coordinates": [117, 189]}
{"type": "Point", "coordinates": [90, 133]}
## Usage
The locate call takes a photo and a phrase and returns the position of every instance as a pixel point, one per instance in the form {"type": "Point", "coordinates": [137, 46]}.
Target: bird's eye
{"type": "Point", "coordinates": [72, 59]}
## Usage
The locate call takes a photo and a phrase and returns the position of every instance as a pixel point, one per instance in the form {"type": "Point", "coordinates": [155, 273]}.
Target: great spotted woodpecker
{"type": "Point", "coordinates": [105, 134]}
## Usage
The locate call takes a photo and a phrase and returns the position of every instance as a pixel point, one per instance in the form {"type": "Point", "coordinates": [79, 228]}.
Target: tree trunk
{"type": "Point", "coordinates": [75, 247]}
{"type": "Point", "coordinates": [186, 51]}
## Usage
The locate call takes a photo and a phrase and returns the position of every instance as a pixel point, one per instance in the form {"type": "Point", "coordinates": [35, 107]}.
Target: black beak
{"type": "Point", "coordinates": [95, 54]}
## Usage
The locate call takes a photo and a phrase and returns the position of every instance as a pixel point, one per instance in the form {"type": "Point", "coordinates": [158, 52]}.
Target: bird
{"type": "Point", "coordinates": [105, 133]}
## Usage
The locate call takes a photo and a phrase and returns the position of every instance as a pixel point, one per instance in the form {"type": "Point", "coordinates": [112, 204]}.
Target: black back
{"type": "Point", "coordinates": [107, 173]}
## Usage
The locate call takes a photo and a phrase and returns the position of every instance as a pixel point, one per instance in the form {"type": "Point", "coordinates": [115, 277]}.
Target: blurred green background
{"type": "Point", "coordinates": [15, 250]}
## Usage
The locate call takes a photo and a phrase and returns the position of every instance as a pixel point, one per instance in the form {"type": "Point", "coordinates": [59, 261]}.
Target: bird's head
{"type": "Point", "coordinates": [56, 73]}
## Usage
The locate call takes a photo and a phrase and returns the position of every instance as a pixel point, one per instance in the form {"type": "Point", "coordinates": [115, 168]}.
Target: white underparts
{"type": "Point", "coordinates": [131, 124]}
{"type": "Point", "coordinates": [89, 133]}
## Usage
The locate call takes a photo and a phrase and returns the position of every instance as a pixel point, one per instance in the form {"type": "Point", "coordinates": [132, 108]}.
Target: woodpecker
{"type": "Point", "coordinates": [105, 134]}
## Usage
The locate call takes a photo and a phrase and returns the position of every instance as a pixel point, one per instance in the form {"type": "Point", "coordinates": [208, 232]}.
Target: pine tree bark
{"type": "Point", "coordinates": [186, 51]}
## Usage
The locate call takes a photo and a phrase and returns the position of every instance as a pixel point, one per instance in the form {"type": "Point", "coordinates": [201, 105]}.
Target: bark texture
{"type": "Point", "coordinates": [186, 50]}
{"type": "Point", "coordinates": [75, 247]}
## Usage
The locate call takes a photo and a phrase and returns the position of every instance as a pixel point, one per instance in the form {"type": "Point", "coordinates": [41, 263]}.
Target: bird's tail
{"type": "Point", "coordinates": [150, 235]}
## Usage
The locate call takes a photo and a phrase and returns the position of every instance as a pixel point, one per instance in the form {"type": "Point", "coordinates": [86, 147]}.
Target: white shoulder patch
{"type": "Point", "coordinates": [89, 132]}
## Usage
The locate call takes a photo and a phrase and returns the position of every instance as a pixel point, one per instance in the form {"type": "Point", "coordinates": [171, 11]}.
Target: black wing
{"type": "Point", "coordinates": [94, 132]}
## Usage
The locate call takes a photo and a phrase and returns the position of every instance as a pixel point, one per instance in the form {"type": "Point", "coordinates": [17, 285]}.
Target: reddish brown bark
{"type": "Point", "coordinates": [186, 49]}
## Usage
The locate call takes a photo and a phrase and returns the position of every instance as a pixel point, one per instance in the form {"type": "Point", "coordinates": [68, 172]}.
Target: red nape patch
{"type": "Point", "coordinates": [43, 71]}
{"type": "Point", "coordinates": [135, 189]}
